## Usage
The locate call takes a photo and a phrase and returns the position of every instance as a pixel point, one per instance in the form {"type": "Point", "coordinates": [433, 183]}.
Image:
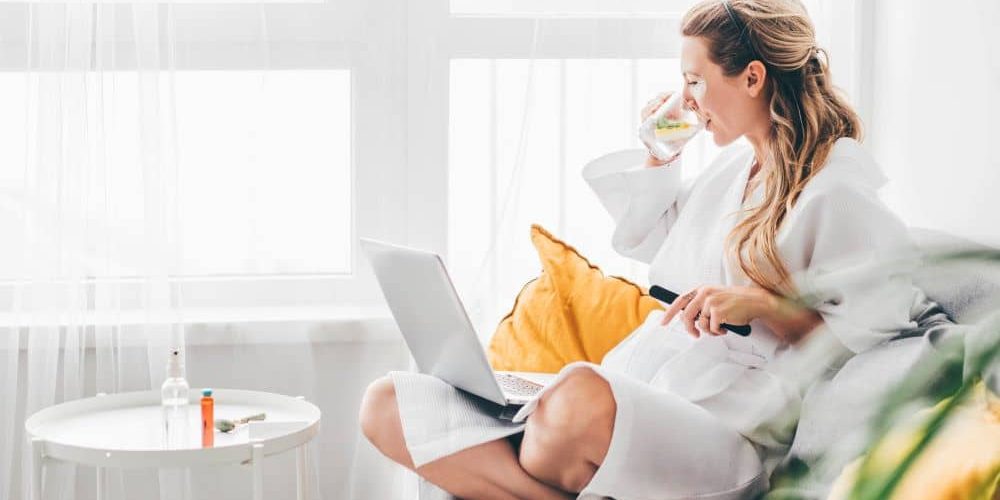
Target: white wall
{"type": "Point", "coordinates": [935, 107]}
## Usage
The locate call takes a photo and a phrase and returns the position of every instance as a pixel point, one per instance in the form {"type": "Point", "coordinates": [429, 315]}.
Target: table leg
{"type": "Point", "coordinates": [302, 473]}
{"type": "Point", "coordinates": [37, 462]}
{"type": "Point", "coordinates": [257, 462]}
{"type": "Point", "coordinates": [101, 487]}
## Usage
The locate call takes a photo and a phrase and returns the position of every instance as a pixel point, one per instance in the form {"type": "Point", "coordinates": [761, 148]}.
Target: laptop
{"type": "Point", "coordinates": [438, 332]}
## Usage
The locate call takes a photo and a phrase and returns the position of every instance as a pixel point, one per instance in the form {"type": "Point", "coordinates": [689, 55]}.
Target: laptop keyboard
{"type": "Point", "coordinates": [518, 386]}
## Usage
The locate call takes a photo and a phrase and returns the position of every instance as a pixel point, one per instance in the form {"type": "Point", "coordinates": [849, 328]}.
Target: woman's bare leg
{"type": "Point", "coordinates": [568, 435]}
{"type": "Point", "coordinates": [487, 471]}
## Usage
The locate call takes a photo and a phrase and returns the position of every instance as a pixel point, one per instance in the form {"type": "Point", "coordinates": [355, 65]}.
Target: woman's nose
{"type": "Point", "coordinates": [689, 100]}
{"type": "Point", "coordinates": [686, 92]}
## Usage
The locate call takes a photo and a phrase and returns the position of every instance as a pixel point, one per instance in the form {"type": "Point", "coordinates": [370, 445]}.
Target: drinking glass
{"type": "Point", "coordinates": [670, 127]}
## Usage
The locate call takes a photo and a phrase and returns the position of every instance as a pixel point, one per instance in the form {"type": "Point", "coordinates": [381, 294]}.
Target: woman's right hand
{"type": "Point", "coordinates": [647, 111]}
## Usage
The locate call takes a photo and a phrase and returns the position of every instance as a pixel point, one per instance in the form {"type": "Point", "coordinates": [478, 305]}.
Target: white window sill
{"type": "Point", "coordinates": [291, 325]}
{"type": "Point", "coordinates": [220, 326]}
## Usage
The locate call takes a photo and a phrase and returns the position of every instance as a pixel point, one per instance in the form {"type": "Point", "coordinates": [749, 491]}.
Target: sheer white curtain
{"type": "Point", "coordinates": [92, 252]}
{"type": "Point", "coordinates": [88, 304]}
{"type": "Point", "coordinates": [196, 174]}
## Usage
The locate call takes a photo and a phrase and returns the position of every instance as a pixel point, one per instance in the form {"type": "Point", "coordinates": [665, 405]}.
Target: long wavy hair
{"type": "Point", "coordinates": [808, 115]}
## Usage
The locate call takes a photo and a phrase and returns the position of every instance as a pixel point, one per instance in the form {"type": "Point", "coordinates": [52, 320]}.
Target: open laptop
{"type": "Point", "coordinates": [437, 329]}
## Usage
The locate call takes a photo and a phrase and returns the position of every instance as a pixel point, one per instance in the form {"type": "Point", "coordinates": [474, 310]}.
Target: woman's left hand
{"type": "Point", "coordinates": [709, 307]}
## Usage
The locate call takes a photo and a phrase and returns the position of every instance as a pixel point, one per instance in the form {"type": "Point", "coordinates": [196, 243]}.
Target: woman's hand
{"type": "Point", "coordinates": [647, 111]}
{"type": "Point", "coordinates": [711, 306]}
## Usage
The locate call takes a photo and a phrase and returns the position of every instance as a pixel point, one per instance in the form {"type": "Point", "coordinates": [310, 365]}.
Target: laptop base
{"type": "Point", "coordinates": [502, 412]}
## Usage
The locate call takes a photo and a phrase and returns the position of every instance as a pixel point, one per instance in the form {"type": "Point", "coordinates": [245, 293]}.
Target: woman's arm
{"type": "Point", "coordinates": [644, 202]}
{"type": "Point", "coordinates": [788, 320]}
{"type": "Point", "coordinates": [838, 227]}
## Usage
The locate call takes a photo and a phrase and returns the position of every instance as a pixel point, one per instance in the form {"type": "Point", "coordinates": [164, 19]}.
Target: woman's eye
{"type": "Point", "coordinates": [697, 89]}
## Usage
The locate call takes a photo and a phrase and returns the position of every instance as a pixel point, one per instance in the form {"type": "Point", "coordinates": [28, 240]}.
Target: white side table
{"type": "Point", "coordinates": [126, 431]}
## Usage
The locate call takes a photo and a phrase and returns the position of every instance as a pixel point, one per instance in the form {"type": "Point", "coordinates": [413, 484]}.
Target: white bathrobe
{"type": "Point", "coordinates": [704, 417]}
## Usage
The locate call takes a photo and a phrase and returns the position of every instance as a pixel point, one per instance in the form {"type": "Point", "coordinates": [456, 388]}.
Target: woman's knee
{"type": "Point", "coordinates": [378, 410]}
{"type": "Point", "coordinates": [568, 435]}
{"type": "Point", "coordinates": [581, 401]}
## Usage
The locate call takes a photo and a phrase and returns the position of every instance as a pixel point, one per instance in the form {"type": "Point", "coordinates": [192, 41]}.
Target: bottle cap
{"type": "Point", "coordinates": [206, 392]}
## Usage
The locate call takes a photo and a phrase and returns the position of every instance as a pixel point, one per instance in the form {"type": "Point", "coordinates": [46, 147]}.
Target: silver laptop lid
{"type": "Point", "coordinates": [431, 317]}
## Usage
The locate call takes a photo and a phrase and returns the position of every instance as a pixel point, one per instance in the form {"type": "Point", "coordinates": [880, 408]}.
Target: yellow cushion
{"type": "Point", "coordinates": [572, 312]}
{"type": "Point", "coordinates": [962, 462]}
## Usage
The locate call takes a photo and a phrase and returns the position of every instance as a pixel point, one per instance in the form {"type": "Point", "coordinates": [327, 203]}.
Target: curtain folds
{"type": "Point", "coordinates": [89, 296]}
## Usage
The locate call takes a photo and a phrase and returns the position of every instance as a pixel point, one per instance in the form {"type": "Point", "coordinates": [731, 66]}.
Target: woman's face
{"type": "Point", "coordinates": [731, 106]}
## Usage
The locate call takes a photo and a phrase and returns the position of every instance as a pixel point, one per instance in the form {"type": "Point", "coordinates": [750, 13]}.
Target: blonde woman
{"type": "Point", "coordinates": [682, 408]}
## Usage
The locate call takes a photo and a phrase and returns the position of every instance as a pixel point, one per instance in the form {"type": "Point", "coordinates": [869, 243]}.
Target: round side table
{"type": "Point", "coordinates": [126, 430]}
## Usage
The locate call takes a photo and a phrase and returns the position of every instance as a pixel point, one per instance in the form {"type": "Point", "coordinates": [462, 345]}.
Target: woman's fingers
{"type": "Point", "coordinates": [692, 311]}
{"type": "Point", "coordinates": [697, 310]}
{"type": "Point", "coordinates": [703, 321]}
{"type": "Point", "coordinates": [653, 105]}
{"type": "Point", "coordinates": [658, 100]}
{"type": "Point", "coordinates": [677, 305]}
{"type": "Point", "coordinates": [715, 324]}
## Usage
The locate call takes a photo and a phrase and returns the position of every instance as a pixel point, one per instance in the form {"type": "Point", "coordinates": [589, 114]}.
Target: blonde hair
{"type": "Point", "coordinates": [808, 114]}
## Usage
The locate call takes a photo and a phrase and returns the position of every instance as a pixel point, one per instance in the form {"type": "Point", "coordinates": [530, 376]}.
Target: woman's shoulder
{"type": "Point", "coordinates": [849, 168]}
{"type": "Point", "coordinates": [842, 202]}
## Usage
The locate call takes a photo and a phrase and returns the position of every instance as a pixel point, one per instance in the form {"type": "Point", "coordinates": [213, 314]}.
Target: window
{"type": "Point", "coordinates": [235, 202]}
{"type": "Point", "coordinates": [376, 114]}
{"type": "Point", "coordinates": [284, 209]}
{"type": "Point", "coordinates": [277, 226]}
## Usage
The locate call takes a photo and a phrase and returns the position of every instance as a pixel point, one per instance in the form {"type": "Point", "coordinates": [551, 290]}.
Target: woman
{"type": "Point", "coordinates": [667, 414]}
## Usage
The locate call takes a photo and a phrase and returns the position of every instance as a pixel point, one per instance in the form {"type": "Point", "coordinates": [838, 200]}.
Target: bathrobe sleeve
{"type": "Point", "coordinates": [643, 201]}
{"type": "Point", "coordinates": [844, 237]}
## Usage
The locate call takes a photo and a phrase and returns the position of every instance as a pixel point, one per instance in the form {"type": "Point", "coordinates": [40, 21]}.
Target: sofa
{"type": "Point", "coordinates": [837, 410]}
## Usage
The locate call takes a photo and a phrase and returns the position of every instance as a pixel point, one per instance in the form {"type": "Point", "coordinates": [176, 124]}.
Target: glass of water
{"type": "Point", "coordinates": [670, 127]}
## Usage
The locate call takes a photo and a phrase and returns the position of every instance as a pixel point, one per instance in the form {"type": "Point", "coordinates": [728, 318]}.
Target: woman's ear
{"type": "Point", "coordinates": [756, 75]}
